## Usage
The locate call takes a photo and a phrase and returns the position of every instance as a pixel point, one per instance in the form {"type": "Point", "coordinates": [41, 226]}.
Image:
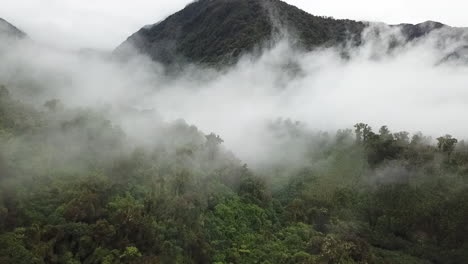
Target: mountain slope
{"type": "Point", "coordinates": [7, 29]}
{"type": "Point", "coordinates": [218, 32]}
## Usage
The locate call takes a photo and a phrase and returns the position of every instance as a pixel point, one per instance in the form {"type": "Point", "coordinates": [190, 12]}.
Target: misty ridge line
{"type": "Point", "coordinates": [197, 34]}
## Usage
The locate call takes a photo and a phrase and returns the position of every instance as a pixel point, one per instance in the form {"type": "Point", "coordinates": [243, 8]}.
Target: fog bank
{"type": "Point", "coordinates": [412, 87]}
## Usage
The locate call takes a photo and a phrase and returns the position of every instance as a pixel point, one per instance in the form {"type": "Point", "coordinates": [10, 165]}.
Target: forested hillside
{"type": "Point", "coordinates": [216, 33]}
{"type": "Point", "coordinates": [74, 189]}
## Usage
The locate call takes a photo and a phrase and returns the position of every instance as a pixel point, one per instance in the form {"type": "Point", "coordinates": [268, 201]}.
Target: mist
{"type": "Point", "coordinates": [347, 153]}
{"type": "Point", "coordinates": [410, 87]}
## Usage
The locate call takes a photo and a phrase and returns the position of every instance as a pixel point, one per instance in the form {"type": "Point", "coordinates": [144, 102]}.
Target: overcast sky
{"type": "Point", "coordinates": [104, 24]}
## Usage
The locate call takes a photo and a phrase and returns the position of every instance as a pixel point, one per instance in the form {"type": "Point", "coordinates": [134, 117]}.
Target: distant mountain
{"type": "Point", "coordinates": [419, 30]}
{"type": "Point", "coordinates": [214, 32]}
{"type": "Point", "coordinates": [7, 29]}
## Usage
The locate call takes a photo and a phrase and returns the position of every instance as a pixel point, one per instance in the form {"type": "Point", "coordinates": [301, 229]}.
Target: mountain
{"type": "Point", "coordinates": [419, 30]}
{"type": "Point", "coordinates": [7, 29]}
{"type": "Point", "coordinates": [214, 32]}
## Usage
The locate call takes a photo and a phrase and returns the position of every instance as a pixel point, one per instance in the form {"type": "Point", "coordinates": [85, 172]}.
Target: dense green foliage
{"type": "Point", "coordinates": [217, 32]}
{"type": "Point", "coordinates": [73, 189]}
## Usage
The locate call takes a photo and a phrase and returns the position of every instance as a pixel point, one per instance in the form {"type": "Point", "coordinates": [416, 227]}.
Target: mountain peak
{"type": "Point", "coordinates": [220, 31]}
{"type": "Point", "coordinates": [412, 31]}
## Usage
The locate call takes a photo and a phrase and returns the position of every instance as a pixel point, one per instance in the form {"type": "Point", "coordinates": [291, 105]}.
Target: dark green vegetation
{"type": "Point", "coordinates": [73, 189]}
{"type": "Point", "coordinates": [218, 32]}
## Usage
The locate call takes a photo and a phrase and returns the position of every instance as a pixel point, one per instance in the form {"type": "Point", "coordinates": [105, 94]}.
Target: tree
{"type": "Point", "coordinates": [385, 133]}
{"type": "Point", "coordinates": [363, 132]}
{"type": "Point", "coordinates": [212, 143]}
{"type": "Point", "coordinates": [402, 138]}
{"type": "Point", "coordinates": [12, 249]}
{"type": "Point", "coordinates": [447, 144]}
{"type": "Point", "coordinates": [130, 253]}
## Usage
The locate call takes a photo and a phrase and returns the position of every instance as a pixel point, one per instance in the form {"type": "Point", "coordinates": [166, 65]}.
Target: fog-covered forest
{"type": "Point", "coordinates": [304, 147]}
{"type": "Point", "coordinates": [75, 190]}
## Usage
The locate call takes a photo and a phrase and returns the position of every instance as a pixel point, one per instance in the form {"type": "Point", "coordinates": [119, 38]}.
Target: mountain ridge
{"type": "Point", "coordinates": [218, 32]}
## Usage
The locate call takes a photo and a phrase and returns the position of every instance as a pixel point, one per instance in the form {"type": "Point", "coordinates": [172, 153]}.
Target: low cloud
{"type": "Point", "coordinates": [410, 87]}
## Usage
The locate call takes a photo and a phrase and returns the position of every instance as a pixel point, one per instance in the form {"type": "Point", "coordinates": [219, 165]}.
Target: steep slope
{"type": "Point", "coordinates": [219, 31]}
{"type": "Point", "coordinates": [8, 30]}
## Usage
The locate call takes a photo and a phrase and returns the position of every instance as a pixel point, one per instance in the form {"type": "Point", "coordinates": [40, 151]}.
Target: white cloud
{"type": "Point", "coordinates": [404, 90]}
